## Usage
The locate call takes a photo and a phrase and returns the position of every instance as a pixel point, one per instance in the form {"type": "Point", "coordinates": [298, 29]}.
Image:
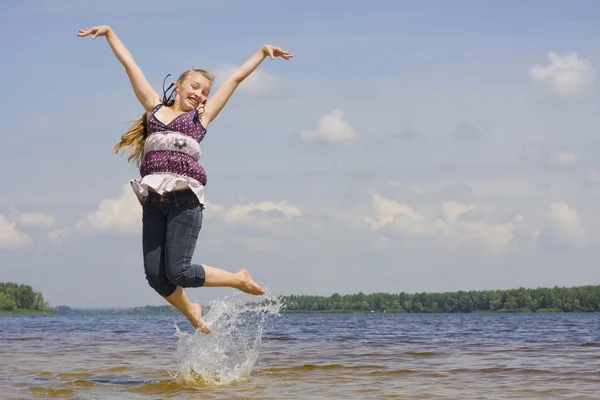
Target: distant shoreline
{"type": "Point", "coordinates": [48, 311]}
{"type": "Point", "coordinates": [160, 310]}
{"type": "Point", "coordinates": [15, 299]}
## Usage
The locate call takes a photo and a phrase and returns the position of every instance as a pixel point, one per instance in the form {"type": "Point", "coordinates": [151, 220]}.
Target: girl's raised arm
{"type": "Point", "coordinates": [146, 95]}
{"type": "Point", "coordinates": [217, 101]}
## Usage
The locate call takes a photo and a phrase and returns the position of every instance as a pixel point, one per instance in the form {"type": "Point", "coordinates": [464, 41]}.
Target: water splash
{"type": "Point", "coordinates": [229, 353]}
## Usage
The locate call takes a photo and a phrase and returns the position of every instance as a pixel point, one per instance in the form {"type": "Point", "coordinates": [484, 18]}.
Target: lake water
{"type": "Point", "coordinates": [257, 353]}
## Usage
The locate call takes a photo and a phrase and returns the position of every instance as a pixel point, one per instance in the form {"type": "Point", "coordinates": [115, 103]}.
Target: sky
{"type": "Point", "coordinates": [407, 147]}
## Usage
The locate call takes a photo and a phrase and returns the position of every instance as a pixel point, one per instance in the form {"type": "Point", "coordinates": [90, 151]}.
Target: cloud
{"type": "Point", "coordinates": [262, 214]}
{"type": "Point", "coordinates": [449, 226]}
{"type": "Point", "coordinates": [563, 227]}
{"type": "Point", "coordinates": [565, 74]}
{"type": "Point", "coordinates": [386, 212]}
{"type": "Point", "coordinates": [34, 220]}
{"type": "Point", "coordinates": [10, 237]}
{"type": "Point", "coordinates": [257, 226]}
{"type": "Point", "coordinates": [332, 128]}
{"type": "Point", "coordinates": [259, 82]}
{"type": "Point", "coordinates": [121, 215]}
{"type": "Point", "coordinates": [451, 210]}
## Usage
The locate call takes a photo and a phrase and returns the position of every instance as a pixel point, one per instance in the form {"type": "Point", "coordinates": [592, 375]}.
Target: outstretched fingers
{"type": "Point", "coordinates": [83, 32]}
{"type": "Point", "coordinates": [95, 31]}
{"type": "Point", "coordinates": [274, 51]}
{"type": "Point", "coordinates": [285, 54]}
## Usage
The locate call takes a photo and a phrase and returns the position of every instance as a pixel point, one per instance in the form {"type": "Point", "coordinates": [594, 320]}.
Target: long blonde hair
{"type": "Point", "coordinates": [135, 136]}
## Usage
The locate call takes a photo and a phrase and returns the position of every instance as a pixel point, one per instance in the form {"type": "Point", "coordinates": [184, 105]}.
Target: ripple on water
{"type": "Point", "coordinates": [81, 384]}
{"type": "Point", "coordinates": [50, 392]}
{"type": "Point", "coordinates": [422, 353]}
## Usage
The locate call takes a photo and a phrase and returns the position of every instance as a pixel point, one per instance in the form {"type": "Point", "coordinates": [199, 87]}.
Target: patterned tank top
{"type": "Point", "coordinates": [174, 148]}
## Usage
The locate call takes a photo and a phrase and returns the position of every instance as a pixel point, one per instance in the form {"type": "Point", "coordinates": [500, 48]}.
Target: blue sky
{"type": "Point", "coordinates": [408, 146]}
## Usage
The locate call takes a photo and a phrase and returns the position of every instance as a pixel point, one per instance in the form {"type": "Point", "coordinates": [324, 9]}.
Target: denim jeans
{"type": "Point", "coordinates": [171, 223]}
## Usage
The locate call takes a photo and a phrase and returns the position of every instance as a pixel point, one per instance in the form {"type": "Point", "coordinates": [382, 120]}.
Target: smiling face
{"type": "Point", "coordinates": [192, 88]}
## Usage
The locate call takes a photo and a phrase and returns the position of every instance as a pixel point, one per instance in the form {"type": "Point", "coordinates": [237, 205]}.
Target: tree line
{"type": "Point", "coordinates": [20, 297]}
{"type": "Point", "coordinates": [559, 299]}
{"type": "Point", "coordinates": [565, 299]}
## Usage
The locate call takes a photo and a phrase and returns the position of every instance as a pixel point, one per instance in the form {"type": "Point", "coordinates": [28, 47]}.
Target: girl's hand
{"type": "Point", "coordinates": [273, 52]}
{"type": "Point", "coordinates": [94, 31]}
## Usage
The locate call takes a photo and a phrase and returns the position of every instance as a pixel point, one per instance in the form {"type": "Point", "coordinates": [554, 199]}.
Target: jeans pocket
{"type": "Point", "coordinates": [188, 203]}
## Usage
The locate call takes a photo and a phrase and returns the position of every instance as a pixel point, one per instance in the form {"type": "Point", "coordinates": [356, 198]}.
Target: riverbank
{"type": "Point", "coordinates": [29, 312]}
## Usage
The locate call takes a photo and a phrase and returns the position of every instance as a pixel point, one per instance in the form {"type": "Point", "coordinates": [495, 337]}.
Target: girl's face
{"type": "Point", "coordinates": [193, 91]}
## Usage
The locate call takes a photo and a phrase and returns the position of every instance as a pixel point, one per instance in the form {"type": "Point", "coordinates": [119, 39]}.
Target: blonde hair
{"type": "Point", "coordinates": [135, 136]}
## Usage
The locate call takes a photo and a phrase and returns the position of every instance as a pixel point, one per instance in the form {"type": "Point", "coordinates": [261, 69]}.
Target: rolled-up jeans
{"type": "Point", "coordinates": [171, 223]}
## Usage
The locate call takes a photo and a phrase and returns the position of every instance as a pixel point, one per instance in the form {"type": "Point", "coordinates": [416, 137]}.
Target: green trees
{"type": "Point", "coordinates": [566, 299]}
{"type": "Point", "coordinates": [20, 297]}
{"type": "Point", "coordinates": [581, 298]}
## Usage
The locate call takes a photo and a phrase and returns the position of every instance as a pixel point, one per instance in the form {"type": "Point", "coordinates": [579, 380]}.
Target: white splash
{"type": "Point", "coordinates": [229, 353]}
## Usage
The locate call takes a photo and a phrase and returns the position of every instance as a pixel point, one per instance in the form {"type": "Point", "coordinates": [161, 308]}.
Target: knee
{"type": "Point", "coordinates": [175, 275]}
{"type": "Point", "coordinates": [158, 280]}
{"type": "Point", "coordinates": [185, 274]}
{"type": "Point", "coordinates": [161, 285]}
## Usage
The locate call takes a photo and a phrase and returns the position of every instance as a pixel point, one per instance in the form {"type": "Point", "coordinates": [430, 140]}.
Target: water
{"type": "Point", "coordinates": [257, 354]}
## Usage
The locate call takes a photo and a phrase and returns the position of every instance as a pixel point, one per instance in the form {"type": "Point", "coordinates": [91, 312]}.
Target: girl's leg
{"type": "Point", "coordinates": [241, 280]}
{"type": "Point", "coordinates": [214, 277]}
{"type": "Point", "coordinates": [192, 311]}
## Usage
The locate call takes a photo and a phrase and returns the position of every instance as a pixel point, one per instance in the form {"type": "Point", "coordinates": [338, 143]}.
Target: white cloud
{"type": "Point", "coordinates": [331, 128]}
{"type": "Point", "coordinates": [36, 220]}
{"type": "Point", "coordinates": [496, 237]}
{"type": "Point", "coordinates": [565, 224]}
{"type": "Point", "coordinates": [10, 237]}
{"type": "Point", "coordinates": [452, 210]}
{"type": "Point", "coordinates": [261, 214]}
{"type": "Point", "coordinates": [390, 211]}
{"type": "Point", "coordinates": [212, 208]}
{"type": "Point", "coordinates": [121, 215]}
{"type": "Point", "coordinates": [565, 74]}
{"type": "Point", "coordinates": [258, 82]}
{"type": "Point", "coordinates": [259, 226]}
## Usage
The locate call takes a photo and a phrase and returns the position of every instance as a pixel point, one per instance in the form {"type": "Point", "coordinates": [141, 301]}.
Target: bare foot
{"type": "Point", "coordinates": [248, 285]}
{"type": "Point", "coordinates": [198, 322]}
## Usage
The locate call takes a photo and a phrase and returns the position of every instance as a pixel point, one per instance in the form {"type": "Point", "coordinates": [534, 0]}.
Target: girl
{"type": "Point", "coordinates": [165, 144]}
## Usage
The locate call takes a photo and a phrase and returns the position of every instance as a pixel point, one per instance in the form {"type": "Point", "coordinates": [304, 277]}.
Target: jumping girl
{"type": "Point", "coordinates": [165, 144]}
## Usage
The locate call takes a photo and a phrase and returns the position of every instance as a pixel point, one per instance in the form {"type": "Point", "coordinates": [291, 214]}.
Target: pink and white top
{"type": "Point", "coordinates": [170, 156]}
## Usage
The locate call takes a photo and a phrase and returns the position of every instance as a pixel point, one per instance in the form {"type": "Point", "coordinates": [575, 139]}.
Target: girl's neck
{"type": "Point", "coordinates": [176, 108]}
